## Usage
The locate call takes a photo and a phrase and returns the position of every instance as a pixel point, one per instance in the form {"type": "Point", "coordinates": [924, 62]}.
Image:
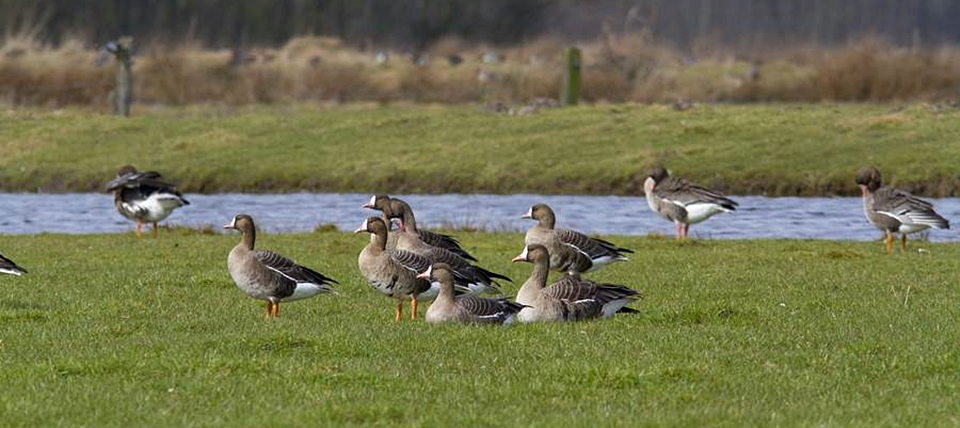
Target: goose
{"type": "Point", "coordinates": [570, 251]}
{"type": "Point", "coordinates": [448, 307]}
{"type": "Point", "coordinates": [391, 272]}
{"type": "Point", "coordinates": [9, 267]}
{"type": "Point", "coordinates": [269, 276]}
{"type": "Point", "coordinates": [395, 208]}
{"type": "Point", "coordinates": [681, 201]}
{"type": "Point", "coordinates": [473, 278]}
{"type": "Point", "coordinates": [895, 211]}
{"type": "Point", "coordinates": [144, 196]}
{"type": "Point", "coordinates": [571, 298]}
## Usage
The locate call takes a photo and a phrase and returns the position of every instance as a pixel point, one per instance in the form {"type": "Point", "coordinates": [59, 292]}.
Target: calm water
{"type": "Point", "coordinates": [758, 217]}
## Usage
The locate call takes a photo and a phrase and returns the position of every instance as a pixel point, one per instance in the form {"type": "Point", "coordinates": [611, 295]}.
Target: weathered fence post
{"type": "Point", "coordinates": [123, 92]}
{"type": "Point", "coordinates": [570, 92]}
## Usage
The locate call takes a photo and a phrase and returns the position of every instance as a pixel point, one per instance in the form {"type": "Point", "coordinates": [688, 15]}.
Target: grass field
{"type": "Point", "coordinates": [601, 149]}
{"type": "Point", "coordinates": [108, 331]}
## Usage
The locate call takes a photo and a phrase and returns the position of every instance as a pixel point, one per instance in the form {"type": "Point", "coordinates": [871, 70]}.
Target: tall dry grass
{"type": "Point", "coordinates": [616, 69]}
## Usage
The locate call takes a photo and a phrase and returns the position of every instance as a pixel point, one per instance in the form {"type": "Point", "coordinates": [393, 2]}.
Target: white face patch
{"type": "Point", "coordinates": [363, 226]}
{"type": "Point", "coordinates": [523, 255]}
{"type": "Point", "coordinates": [373, 200]}
{"type": "Point", "coordinates": [429, 271]}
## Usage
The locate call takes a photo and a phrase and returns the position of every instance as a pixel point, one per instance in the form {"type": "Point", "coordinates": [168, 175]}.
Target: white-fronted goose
{"type": "Point", "coordinates": [144, 196]}
{"type": "Point", "coordinates": [269, 276]}
{"type": "Point", "coordinates": [571, 298]}
{"type": "Point", "coordinates": [448, 307]}
{"type": "Point", "coordinates": [681, 201]}
{"type": "Point", "coordinates": [391, 272]}
{"type": "Point", "coordinates": [9, 267]}
{"type": "Point", "coordinates": [394, 208]}
{"type": "Point", "coordinates": [570, 251]}
{"type": "Point", "coordinates": [894, 210]}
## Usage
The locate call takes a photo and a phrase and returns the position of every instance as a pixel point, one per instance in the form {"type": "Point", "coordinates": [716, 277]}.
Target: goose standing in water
{"type": "Point", "coordinates": [681, 201]}
{"type": "Point", "coordinates": [894, 210]}
{"type": "Point", "coordinates": [448, 307]}
{"type": "Point", "coordinates": [144, 196]}
{"type": "Point", "coordinates": [571, 298]}
{"type": "Point", "coordinates": [391, 272]}
{"type": "Point", "coordinates": [570, 251]}
{"type": "Point", "coordinates": [269, 276]}
{"type": "Point", "coordinates": [395, 208]}
{"type": "Point", "coordinates": [9, 267]}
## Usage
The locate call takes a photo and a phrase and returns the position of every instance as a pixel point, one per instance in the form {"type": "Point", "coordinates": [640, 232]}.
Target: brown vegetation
{"type": "Point", "coordinates": [616, 69]}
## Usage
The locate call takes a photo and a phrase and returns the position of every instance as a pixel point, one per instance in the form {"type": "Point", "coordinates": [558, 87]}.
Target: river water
{"type": "Point", "coordinates": [758, 216]}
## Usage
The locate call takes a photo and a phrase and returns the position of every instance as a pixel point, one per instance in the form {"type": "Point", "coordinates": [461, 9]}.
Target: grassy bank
{"type": "Point", "coordinates": [768, 149]}
{"type": "Point", "coordinates": [110, 331]}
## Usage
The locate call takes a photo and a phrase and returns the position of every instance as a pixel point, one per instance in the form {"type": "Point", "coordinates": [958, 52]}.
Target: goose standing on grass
{"type": "Point", "coordinates": [9, 267]}
{"type": "Point", "coordinates": [448, 307]}
{"type": "Point", "coordinates": [394, 208]}
{"type": "Point", "coordinates": [474, 278]}
{"type": "Point", "coordinates": [570, 251]}
{"type": "Point", "coordinates": [681, 201]}
{"type": "Point", "coordinates": [391, 272]}
{"type": "Point", "coordinates": [894, 210]}
{"type": "Point", "coordinates": [269, 276]}
{"type": "Point", "coordinates": [144, 196]}
{"type": "Point", "coordinates": [571, 298]}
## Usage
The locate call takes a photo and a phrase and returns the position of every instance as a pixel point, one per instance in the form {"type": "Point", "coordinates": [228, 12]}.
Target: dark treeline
{"type": "Point", "coordinates": [414, 24]}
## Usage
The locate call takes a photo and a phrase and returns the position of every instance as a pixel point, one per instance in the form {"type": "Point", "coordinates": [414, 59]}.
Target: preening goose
{"type": "Point", "coordinates": [571, 298]}
{"type": "Point", "coordinates": [144, 196]}
{"type": "Point", "coordinates": [570, 251]}
{"type": "Point", "coordinates": [9, 267]}
{"type": "Point", "coordinates": [395, 208]}
{"type": "Point", "coordinates": [391, 272]}
{"type": "Point", "coordinates": [894, 210]}
{"type": "Point", "coordinates": [681, 201]}
{"type": "Point", "coordinates": [448, 307]}
{"type": "Point", "coordinates": [269, 276]}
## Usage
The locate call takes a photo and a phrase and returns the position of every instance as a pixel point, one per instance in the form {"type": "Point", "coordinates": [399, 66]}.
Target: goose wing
{"type": "Point", "coordinates": [592, 247]}
{"type": "Point", "coordinates": [683, 192]}
{"type": "Point", "coordinates": [907, 208]}
{"type": "Point", "coordinates": [8, 266]}
{"type": "Point", "coordinates": [290, 269]}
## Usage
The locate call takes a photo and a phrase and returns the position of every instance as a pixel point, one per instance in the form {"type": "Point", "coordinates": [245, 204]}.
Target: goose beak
{"type": "Point", "coordinates": [231, 225]}
{"type": "Point", "coordinates": [522, 257]}
{"type": "Point", "coordinates": [426, 274]}
{"type": "Point", "coordinates": [369, 204]}
{"type": "Point", "coordinates": [529, 214]}
{"type": "Point", "coordinates": [362, 228]}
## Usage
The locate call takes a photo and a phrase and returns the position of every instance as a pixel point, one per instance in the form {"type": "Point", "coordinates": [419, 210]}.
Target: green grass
{"type": "Point", "coordinates": [758, 149]}
{"type": "Point", "coordinates": [109, 331]}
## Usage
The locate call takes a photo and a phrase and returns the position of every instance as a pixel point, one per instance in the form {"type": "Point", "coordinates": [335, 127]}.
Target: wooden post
{"type": "Point", "coordinates": [570, 92]}
{"type": "Point", "coordinates": [123, 93]}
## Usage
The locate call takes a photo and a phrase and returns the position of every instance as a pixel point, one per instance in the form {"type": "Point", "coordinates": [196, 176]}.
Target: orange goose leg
{"type": "Point", "coordinates": [269, 308]}
{"type": "Point", "coordinates": [679, 231]}
{"type": "Point", "coordinates": [903, 242]}
{"type": "Point", "coordinates": [413, 308]}
{"type": "Point", "coordinates": [889, 242]}
{"type": "Point", "coordinates": [399, 312]}
{"type": "Point", "coordinates": [139, 227]}
{"type": "Point", "coordinates": [155, 229]}
{"type": "Point", "coordinates": [276, 310]}
{"type": "Point", "coordinates": [686, 230]}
